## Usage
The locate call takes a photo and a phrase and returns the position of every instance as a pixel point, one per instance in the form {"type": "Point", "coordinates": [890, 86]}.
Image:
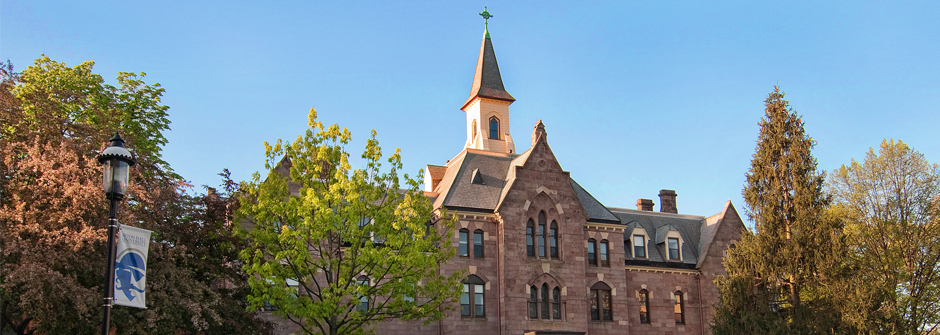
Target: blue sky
{"type": "Point", "coordinates": [636, 96]}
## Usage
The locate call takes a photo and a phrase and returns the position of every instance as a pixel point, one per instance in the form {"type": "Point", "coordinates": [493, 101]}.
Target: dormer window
{"type": "Point", "coordinates": [494, 128]}
{"type": "Point", "coordinates": [639, 246]}
{"type": "Point", "coordinates": [674, 249]}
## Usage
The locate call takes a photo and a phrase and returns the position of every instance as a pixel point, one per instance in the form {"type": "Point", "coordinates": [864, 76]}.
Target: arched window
{"type": "Point", "coordinates": [533, 303]}
{"type": "Point", "coordinates": [601, 306]}
{"type": "Point", "coordinates": [529, 238]}
{"type": "Point", "coordinates": [592, 252]}
{"type": "Point", "coordinates": [363, 300]}
{"type": "Point", "coordinates": [540, 239]}
{"type": "Point", "coordinates": [605, 259]}
{"type": "Point", "coordinates": [474, 126]}
{"type": "Point", "coordinates": [462, 249]}
{"type": "Point", "coordinates": [471, 300]}
{"type": "Point", "coordinates": [553, 240]}
{"type": "Point", "coordinates": [478, 243]}
{"type": "Point", "coordinates": [644, 306]}
{"type": "Point", "coordinates": [545, 302]}
{"type": "Point", "coordinates": [556, 303]}
{"type": "Point", "coordinates": [494, 128]}
{"type": "Point", "coordinates": [679, 308]}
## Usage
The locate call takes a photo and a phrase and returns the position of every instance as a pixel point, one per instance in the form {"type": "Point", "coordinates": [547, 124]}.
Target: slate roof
{"type": "Point", "coordinates": [657, 225]}
{"type": "Point", "coordinates": [487, 82]}
{"type": "Point", "coordinates": [457, 189]}
{"type": "Point", "coordinates": [595, 211]}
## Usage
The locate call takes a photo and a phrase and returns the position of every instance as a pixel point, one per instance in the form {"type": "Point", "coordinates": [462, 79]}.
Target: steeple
{"type": "Point", "coordinates": [487, 107]}
{"type": "Point", "coordinates": [487, 83]}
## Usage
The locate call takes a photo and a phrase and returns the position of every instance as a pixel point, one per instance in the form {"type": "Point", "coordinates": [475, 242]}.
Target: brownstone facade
{"type": "Point", "coordinates": [555, 260]}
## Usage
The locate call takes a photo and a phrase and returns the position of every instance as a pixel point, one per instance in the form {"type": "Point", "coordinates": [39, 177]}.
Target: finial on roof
{"type": "Point", "coordinates": [486, 21]}
{"type": "Point", "coordinates": [539, 132]}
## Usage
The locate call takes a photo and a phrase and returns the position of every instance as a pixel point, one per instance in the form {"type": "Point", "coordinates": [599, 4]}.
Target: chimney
{"type": "Point", "coordinates": [644, 205]}
{"type": "Point", "coordinates": [667, 201]}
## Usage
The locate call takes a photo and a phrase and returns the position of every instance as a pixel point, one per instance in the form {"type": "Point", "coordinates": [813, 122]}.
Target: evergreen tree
{"type": "Point", "coordinates": [778, 276]}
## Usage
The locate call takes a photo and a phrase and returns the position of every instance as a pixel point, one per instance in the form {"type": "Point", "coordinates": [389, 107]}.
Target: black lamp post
{"type": "Point", "coordinates": [117, 162]}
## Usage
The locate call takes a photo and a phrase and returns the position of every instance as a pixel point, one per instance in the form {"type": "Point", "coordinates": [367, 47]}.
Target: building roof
{"type": "Point", "coordinates": [487, 82]}
{"type": "Point", "coordinates": [657, 225]}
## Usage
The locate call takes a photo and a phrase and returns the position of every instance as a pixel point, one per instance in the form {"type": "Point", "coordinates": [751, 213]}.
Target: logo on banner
{"type": "Point", "coordinates": [130, 267]}
{"type": "Point", "coordinates": [129, 273]}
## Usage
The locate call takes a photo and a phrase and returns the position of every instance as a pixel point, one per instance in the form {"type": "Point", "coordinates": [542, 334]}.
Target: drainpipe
{"type": "Point", "coordinates": [499, 279]}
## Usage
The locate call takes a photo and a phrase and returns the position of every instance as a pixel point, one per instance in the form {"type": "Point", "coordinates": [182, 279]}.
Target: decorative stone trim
{"type": "Point", "coordinates": [660, 270]}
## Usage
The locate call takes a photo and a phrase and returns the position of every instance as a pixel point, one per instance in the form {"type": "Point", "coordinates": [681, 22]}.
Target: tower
{"type": "Point", "coordinates": [487, 108]}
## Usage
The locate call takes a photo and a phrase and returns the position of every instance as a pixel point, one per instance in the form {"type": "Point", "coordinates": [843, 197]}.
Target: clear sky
{"type": "Point", "coordinates": [636, 97]}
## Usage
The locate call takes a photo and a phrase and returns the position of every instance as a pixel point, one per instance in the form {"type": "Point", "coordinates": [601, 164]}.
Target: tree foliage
{"type": "Point", "coordinates": [891, 204]}
{"type": "Point", "coordinates": [779, 276]}
{"type": "Point", "coordinates": [55, 119]}
{"type": "Point", "coordinates": [336, 250]}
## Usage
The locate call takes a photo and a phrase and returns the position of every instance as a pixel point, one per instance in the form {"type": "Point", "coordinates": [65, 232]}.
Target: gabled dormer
{"type": "Point", "coordinates": [487, 107]}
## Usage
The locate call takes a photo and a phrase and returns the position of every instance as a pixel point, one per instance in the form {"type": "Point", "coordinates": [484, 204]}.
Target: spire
{"type": "Point", "coordinates": [487, 83]}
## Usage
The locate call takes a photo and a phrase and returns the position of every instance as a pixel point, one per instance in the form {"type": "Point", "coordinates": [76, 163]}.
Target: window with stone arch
{"type": "Point", "coordinates": [604, 253]}
{"type": "Point", "coordinates": [494, 128]}
{"type": "Point", "coordinates": [530, 238]}
{"type": "Point", "coordinates": [601, 304]}
{"type": "Point", "coordinates": [546, 304]}
{"type": "Point", "coordinates": [533, 303]}
{"type": "Point", "coordinates": [540, 238]}
{"type": "Point", "coordinates": [556, 303]}
{"type": "Point", "coordinates": [478, 243]}
{"type": "Point", "coordinates": [463, 246]}
{"type": "Point", "coordinates": [644, 306]}
{"type": "Point", "coordinates": [679, 309]}
{"type": "Point", "coordinates": [553, 240]}
{"type": "Point", "coordinates": [592, 252]}
{"type": "Point", "coordinates": [472, 299]}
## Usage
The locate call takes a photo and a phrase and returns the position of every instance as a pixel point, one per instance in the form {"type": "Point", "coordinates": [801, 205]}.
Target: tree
{"type": "Point", "coordinates": [891, 204]}
{"type": "Point", "coordinates": [55, 120]}
{"type": "Point", "coordinates": [336, 250]}
{"type": "Point", "coordinates": [778, 276]}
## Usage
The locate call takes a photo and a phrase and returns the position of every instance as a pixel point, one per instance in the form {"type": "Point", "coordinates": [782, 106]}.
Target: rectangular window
{"type": "Point", "coordinates": [529, 248]}
{"type": "Point", "coordinates": [462, 250]}
{"type": "Point", "coordinates": [605, 261]}
{"type": "Point", "coordinates": [679, 308]}
{"type": "Point", "coordinates": [465, 301]}
{"type": "Point", "coordinates": [592, 252]}
{"type": "Point", "coordinates": [639, 246]}
{"type": "Point", "coordinates": [478, 244]}
{"type": "Point", "coordinates": [553, 240]}
{"type": "Point", "coordinates": [478, 301]}
{"type": "Point", "coordinates": [556, 304]}
{"type": "Point", "coordinates": [540, 241]}
{"type": "Point", "coordinates": [674, 249]}
{"type": "Point", "coordinates": [595, 312]}
{"type": "Point", "coordinates": [644, 307]}
{"type": "Point", "coordinates": [606, 306]}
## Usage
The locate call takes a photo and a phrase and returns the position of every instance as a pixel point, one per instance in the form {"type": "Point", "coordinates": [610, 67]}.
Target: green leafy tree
{"type": "Point", "coordinates": [891, 204]}
{"type": "Point", "coordinates": [336, 250]}
{"type": "Point", "coordinates": [55, 120]}
{"type": "Point", "coordinates": [779, 276]}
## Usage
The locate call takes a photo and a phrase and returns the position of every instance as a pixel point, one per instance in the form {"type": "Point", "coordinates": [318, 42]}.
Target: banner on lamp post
{"type": "Point", "coordinates": [130, 266]}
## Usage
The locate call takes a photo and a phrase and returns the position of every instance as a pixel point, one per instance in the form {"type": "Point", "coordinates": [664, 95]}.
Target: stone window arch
{"type": "Point", "coordinates": [601, 303]}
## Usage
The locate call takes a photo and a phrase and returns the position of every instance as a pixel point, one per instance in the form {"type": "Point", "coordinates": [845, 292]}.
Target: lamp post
{"type": "Point", "coordinates": [117, 162]}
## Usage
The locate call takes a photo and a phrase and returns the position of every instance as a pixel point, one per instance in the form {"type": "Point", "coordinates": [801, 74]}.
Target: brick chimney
{"type": "Point", "coordinates": [644, 205]}
{"type": "Point", "coordinates": [667, 201]}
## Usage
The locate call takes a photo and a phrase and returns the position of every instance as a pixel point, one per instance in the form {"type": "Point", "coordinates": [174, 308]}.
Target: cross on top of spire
{"type": "Point", "coordinates": [486, 21]}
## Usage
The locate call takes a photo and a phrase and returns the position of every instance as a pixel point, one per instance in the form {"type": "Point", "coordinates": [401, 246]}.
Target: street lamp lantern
{"type": "Point", "coordinates": [117, 162]}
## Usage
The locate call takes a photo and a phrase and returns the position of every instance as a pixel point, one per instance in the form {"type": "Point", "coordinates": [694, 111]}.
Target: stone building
{"type": "Point", "coordinates": [543, 256]}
